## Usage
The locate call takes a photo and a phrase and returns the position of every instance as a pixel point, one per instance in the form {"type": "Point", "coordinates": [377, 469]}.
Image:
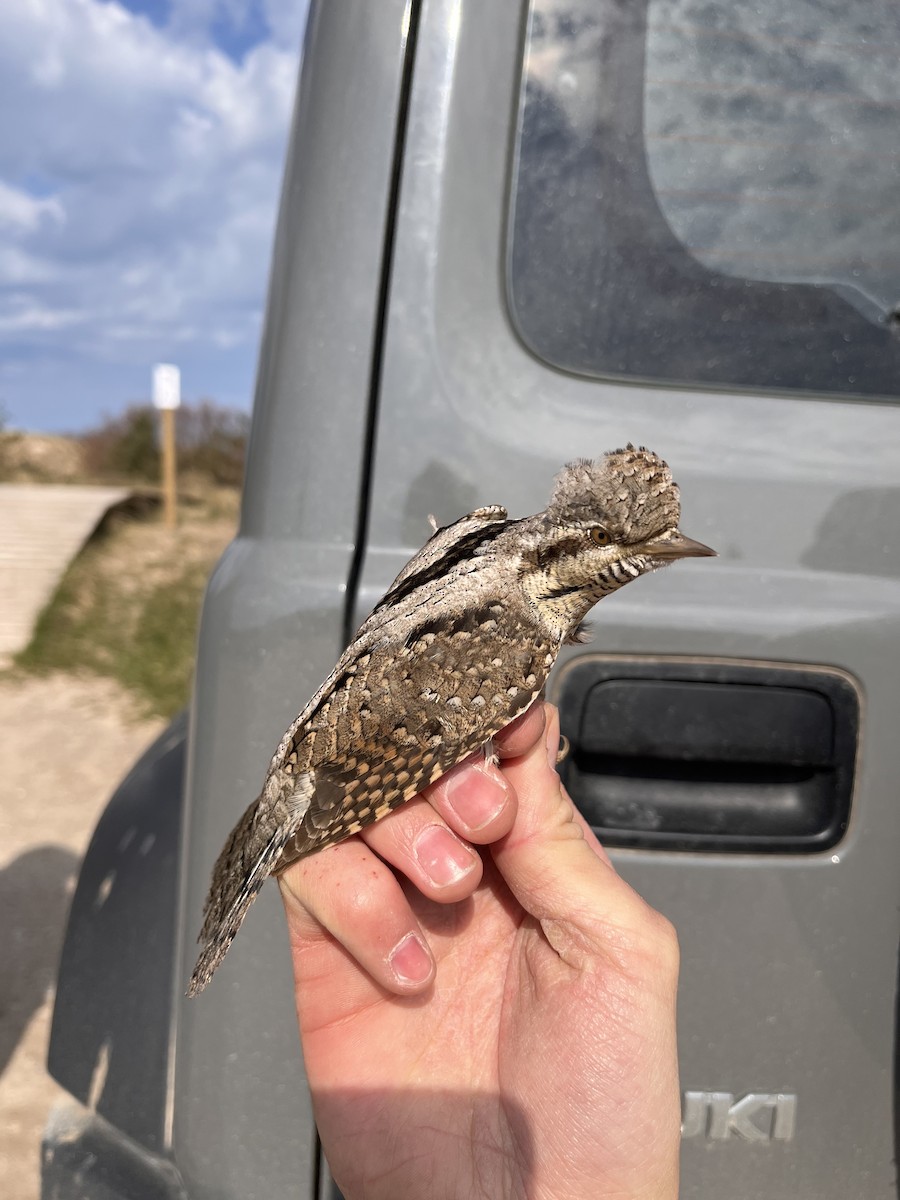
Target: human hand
{"type": "Point", "coordinates": [495, 1024]}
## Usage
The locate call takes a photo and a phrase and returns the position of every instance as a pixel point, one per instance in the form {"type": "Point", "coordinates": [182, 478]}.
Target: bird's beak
{"type": "Point", "coordinates": [675, 545]}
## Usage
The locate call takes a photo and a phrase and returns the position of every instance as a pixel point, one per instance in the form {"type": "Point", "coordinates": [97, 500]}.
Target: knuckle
{"type": "Point", "coordinates": [644, 943]}
{"type": "Point", "coordinates": [661, 941]}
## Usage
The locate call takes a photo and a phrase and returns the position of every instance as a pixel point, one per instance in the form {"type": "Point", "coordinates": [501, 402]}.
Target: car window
{"type": "Point", "coordinates": [708, 193]}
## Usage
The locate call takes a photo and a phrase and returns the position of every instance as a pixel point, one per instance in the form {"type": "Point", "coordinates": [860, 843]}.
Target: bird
{"type": "Point", "coordinates": [461, 643]}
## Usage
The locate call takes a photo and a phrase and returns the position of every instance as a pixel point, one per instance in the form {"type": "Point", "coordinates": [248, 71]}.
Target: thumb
{"type": "Point", "coordinates": [558, 872]}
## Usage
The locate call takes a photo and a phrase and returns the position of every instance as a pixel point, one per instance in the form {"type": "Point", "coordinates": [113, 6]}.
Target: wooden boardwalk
{"type": "Point", "coordinates": [42, 528]}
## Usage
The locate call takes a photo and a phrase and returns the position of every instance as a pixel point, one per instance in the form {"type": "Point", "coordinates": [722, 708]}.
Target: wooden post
{"type": "Point", "coordinates": [169, 485]}
{"type": "Point", "coordinates": [166, 398]}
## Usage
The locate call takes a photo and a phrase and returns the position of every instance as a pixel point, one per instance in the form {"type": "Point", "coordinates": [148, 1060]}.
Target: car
{"type": "Point", "coordinates": [512, 234]}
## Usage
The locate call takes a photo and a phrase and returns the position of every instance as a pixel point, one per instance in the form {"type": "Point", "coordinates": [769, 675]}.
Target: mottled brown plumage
{"type": "Point", "coordinates": [461, 643]}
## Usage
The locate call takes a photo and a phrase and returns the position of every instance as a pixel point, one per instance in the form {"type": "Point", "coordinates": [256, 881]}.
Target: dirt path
{"type": "Point", "coordinates": [64, 745]}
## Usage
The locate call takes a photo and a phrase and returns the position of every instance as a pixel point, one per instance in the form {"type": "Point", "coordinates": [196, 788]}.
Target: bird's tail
{"type": "Point", "coordinates": [241, 869]}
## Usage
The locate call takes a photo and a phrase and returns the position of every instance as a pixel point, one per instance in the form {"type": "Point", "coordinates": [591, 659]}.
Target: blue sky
{"type": "Point", "coordinates": [141, 150]}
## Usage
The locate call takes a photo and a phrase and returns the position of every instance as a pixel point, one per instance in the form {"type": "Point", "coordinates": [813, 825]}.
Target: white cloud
{"type": "Point", "coordinates": [21, 211]}
{"type": "Point", "coordinates": [20, 314]}
{"type": "Point", "coordinates": [138, 180]}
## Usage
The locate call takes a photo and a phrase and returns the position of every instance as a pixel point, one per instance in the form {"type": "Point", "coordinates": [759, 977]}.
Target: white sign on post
{"type": "Point", "coordinates": [166, 386]}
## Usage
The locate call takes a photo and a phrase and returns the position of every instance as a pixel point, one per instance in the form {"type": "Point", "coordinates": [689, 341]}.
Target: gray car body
{"type": "Point", "coordinates": [392, 384]}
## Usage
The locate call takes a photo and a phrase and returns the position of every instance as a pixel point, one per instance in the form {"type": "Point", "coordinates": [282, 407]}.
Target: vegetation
{"type": "Point", "coordinates": [129, 604]}
{"type": "Point", "coordinates": [211, 447]}
{"type": "Point", "coordinates": [7, 441]}
{"type": "Point", "coordinates": [123, 447]}
{"type": "Point", "coordinates": [211, 442]}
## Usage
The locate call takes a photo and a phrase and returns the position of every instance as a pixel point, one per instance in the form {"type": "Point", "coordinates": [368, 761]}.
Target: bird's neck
{"type": "Point", "coordinates": [561, 611]}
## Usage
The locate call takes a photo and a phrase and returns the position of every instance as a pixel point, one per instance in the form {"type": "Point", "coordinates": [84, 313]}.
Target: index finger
{"type": "Point", "coordinates": [521, 734]}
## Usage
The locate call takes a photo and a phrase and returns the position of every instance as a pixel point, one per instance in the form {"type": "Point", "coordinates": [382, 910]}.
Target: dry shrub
{"type": "Point", "coordinates": [211, 440]}
{"type": "Point", "coordinates": [124, 447]}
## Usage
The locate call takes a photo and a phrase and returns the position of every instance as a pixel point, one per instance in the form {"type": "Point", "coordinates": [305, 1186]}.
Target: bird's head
{"type": "Point", "coordinates": [608, 521]}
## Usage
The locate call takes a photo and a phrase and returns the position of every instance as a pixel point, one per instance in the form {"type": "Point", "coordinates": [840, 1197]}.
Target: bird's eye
{"type": "Point", "coordinates": [599, 536]}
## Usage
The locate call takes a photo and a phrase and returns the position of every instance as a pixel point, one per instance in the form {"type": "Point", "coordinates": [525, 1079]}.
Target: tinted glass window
{"type": "Point", "coordinates": [709, 193]}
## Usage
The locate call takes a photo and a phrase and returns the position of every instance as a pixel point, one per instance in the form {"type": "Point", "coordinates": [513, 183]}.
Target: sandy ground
{"type": "Point", "coordinates": [64, 745]}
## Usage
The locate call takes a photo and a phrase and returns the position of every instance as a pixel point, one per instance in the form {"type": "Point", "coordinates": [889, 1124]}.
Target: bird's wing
{"type": "Point", "coordinates": [412, 713]}
{"type": "Point", "coordinates": [447, 547]}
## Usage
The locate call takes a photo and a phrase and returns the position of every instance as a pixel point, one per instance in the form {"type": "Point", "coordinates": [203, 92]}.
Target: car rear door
{"type": "Point", "coordinates": [734, 724]}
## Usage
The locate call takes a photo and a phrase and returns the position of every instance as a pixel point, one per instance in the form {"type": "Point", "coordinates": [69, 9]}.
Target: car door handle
{"type": "Point", "coordinates": [730, 756]}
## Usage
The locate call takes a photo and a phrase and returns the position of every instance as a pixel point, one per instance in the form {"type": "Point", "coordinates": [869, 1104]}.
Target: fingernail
{"type": "Point", "coordinates": [442, 857]}
{"type": "Point", "coordinates": [477, 794]}
{"type": "Point", "coordinates": [410, 960]}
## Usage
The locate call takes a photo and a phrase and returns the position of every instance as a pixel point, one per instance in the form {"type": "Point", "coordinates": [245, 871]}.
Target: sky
{"type": "Point", "coordinates": [141, 154]}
